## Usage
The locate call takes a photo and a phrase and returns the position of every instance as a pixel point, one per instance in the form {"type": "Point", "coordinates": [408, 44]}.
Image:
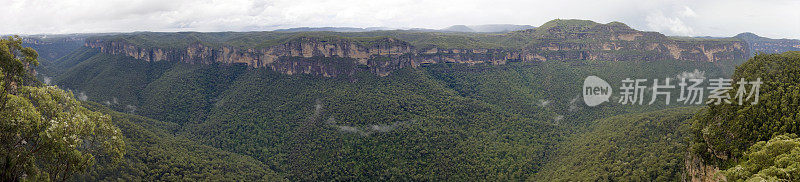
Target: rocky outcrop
{"type": "Point", "coordinates": [303, 55]}
{"type": "Point", "coordinates": [697, 171]}
{"type": "Point", "coordinates": [766, 45]}
{"type": "Point", "coordinates": [327, 56]}
{"type": "Point", "coordinates": [310, 55]}
{"type": "Point", "coordinates": [586, 40]}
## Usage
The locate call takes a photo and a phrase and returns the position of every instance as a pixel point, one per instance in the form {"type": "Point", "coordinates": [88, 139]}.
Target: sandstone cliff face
{"type": "Point", "coordinates": [310, 55]}
{"type": "Point", "coordinates": [304, 55]}
{"type": "Point", "coordinates": [618, 42]}
{"type": "Point", "coordinates": [696, 171]}
{"type": "Point", "coordinates": [341, 56]}
{"type": "Point", "coordinates": [766, 45]}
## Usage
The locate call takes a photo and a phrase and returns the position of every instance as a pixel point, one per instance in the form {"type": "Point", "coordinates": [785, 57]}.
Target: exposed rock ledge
{"type": "Point", "coordinates": [310, 55]}
{"type": "Point", "coordinates": [696, 171]}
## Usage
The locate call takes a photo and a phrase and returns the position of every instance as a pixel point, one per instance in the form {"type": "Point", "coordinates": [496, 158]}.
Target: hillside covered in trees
{"type": "Point", "coordinates": [422, 106]}
{"type": "Point", "coordinates": [497, 121]}
{"type": "Point", "coordinates": [755, 141]}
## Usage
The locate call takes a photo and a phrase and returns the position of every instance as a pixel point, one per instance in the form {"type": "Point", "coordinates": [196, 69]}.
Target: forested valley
{"type": "Point", "coordinates": [166, 120]}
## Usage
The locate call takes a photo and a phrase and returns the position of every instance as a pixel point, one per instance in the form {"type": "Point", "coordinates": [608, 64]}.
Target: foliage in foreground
{"type": "Point", "coordinates": [775, 160]}
{"type": "Point", "coordinates": [45, 134]}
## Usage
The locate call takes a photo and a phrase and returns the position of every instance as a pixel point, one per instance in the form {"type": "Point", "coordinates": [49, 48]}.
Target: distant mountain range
{"type": "Point", "coordinates": [488, 28]}
{"type": "Point", "coordinates": [333, 29]}
{"type": "Point", "coordinates": [491, 43]}
{"type": "Point", "coordinates": [768, 45]}
{"type": "Point", "coordinates": [382, 52]}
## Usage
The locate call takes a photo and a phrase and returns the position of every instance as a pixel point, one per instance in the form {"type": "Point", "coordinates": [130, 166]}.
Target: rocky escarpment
{"type": "Point", "coordinates": [697, 171]}
{"type": "Point", "coordinates": [638, 51]}
{"type": "Point", "coordinates": [310, 55]}
{"type": "Point", "coordinates": [292, 57]}
{"type": "Point", "coordinates": [766, 45]}
{"type": "Point", "coordinates": [51, 49]}
{"type": "Point", "coordinates": [333, 55]}
{"type": "Point", "coordinates": [586, 40]}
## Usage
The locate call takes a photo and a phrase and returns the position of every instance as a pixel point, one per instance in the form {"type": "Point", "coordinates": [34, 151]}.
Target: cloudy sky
{"type": "Point", "coordinates": [771, 18]}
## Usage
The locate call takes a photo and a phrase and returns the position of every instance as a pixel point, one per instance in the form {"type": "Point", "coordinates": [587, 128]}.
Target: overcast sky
{"type": "Point", "coordinates": [770, 18]}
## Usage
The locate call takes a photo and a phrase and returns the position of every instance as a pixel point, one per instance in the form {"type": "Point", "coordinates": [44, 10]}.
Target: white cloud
{"type": "Point", "coordinates": [696, 74]}
{"type": "Point", "coordinates": [688, 12]}
{"type": "Point", "coordinates": [82, 97]}
{"type": "Point", "coordinates": [681, 17]}
{"type": "Point", "coordinates": [668, 24]}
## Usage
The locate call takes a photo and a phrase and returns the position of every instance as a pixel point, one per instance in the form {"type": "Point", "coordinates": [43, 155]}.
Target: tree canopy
{"type": "Point", "coordinates": [45, 134]}
{"type": "Point", "coordinates": [775, 160]}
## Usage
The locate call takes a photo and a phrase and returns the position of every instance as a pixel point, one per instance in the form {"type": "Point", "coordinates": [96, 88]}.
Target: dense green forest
{"type": "Point", "coordinates": [45, 133]}
{"type": "Point", "coordinates": [501, 122]}
{"type": "Point", "coordinates": [155, 154]}
{"type": "Point", "coordinates": [733, 136]}
{"type": "Point", "coordinates": [775, 160]}
{"type": "Point", "coordinates": [631, 147]}
{"type": "Point", "coordinates": [446, 121]}
{"type": "Point", "coordinates": [279, 90]}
